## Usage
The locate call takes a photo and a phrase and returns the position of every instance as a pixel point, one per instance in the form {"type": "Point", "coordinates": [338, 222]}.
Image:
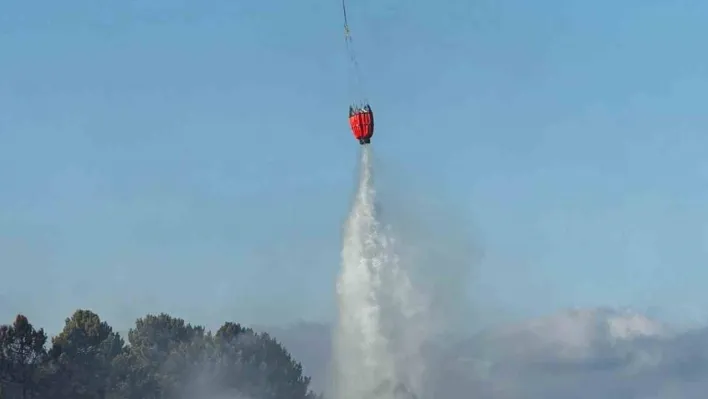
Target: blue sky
{"type": "Point", "coordinates": [194, 157]}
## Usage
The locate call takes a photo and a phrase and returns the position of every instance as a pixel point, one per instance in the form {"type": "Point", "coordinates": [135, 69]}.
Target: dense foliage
{"type": "Point", "coordinates": [164, 358]}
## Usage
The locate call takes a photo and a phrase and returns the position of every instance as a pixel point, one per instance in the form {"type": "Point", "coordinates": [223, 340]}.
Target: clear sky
{"type": "Point", "coordinates": [194, 157]}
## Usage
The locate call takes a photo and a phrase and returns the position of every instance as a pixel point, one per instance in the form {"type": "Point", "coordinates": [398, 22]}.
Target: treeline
{"type": "Point", "coordinates": [165, 358]}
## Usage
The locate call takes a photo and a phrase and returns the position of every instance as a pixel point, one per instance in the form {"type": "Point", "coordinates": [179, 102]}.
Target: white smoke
{"type": "Point", "coordinates": [382, 315]}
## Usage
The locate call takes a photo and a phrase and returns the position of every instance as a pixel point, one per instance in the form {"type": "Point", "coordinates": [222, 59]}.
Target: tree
{"type": "Point", "coordinates": [22, 355]}
{"type": "Point", "coordinates": [154, 340]}
{"type": "Point", "coordinates": [166, 358]}
{"type": "Point", "coordinates": [85, 351]}
{"type": "Point", "coordinates": [154, 337]}
{"type": "Point", "coordinates": [259, 365]}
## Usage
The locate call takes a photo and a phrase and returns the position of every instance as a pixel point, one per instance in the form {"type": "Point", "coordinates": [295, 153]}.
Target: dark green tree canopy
{"type": "Point", "coordinates": [164, 358]}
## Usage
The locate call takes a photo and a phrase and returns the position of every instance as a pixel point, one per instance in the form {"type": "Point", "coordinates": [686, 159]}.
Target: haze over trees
{"type": "Point", "coordinates": [164, 357]}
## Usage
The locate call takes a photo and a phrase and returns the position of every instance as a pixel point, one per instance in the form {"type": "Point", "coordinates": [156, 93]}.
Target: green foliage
{"type": "Point", "coordinates": [165, 358]}
{"type": "Point", "coordinates": [22, 357]}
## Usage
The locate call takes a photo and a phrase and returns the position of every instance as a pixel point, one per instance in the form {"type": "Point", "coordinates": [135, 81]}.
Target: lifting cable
{"type": "Point", "coordinates": [350, 52]}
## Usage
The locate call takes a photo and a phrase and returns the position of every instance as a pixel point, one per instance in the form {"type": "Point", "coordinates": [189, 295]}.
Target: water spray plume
{"type": "Point", "coordinates": [378, 340]}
